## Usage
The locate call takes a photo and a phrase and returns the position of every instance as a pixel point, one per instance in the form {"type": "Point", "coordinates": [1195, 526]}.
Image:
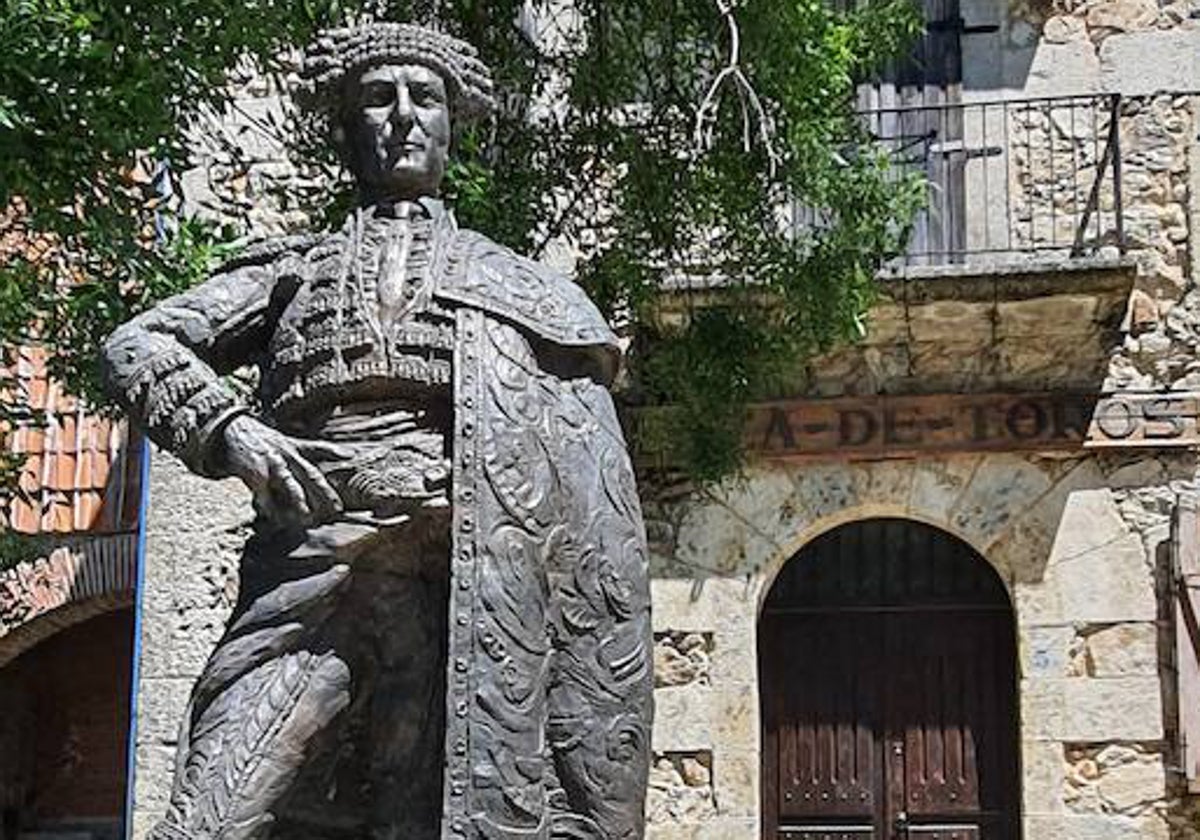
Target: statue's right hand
{"type": "Point", "coordinates": [285, 484]}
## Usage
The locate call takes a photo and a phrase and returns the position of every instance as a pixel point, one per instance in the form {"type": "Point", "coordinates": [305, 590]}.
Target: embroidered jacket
{"type": "Point", "coordinates": [310, 313]}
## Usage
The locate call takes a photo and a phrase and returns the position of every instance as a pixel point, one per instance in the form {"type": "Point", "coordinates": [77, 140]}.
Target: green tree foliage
{"type": "Point", "coordinates": [90, 91]}
{"type": "Point", "coordinates": [694, 251]}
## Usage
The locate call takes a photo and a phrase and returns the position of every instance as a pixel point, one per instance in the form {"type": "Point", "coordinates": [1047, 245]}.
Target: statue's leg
{"type": "Point", "coordinates": [269, 688]}
{"type": "Point", "coordinates": [377, 774]}
{"type": "Point", "coordinates": [407, 720]}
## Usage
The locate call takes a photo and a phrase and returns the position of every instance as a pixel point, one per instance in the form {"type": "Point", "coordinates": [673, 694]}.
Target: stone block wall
{"type": "Point", "coordinates": [1149, 53]}
{"type": "Point", "coordinates": [1057, 149]}
{"type": "Point", "coordinates": [1080, 543]}
{"type": "Point", "coordinates": [195, 529]}
{"type": "Point", "coordinates": [243, 175]}
{"type": "Point", "coordinates": [1056, 156]}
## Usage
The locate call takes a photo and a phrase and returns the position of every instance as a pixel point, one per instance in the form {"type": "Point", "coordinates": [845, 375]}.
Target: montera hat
{"type": "Point", "coordinates": [338, 56]}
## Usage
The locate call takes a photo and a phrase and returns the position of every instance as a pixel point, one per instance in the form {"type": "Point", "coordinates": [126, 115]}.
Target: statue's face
{"type": "Point", "coordinates": [399, 131]}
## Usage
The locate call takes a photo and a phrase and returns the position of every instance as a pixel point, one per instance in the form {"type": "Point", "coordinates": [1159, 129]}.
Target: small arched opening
{"type": "Point", "coordinates": [64, 729]}
{"type": "Point", "coordinates": [888, 680]}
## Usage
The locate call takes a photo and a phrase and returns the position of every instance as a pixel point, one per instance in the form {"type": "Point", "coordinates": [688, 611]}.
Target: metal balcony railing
{"type": "Point", "coordinates": [1009, 179]}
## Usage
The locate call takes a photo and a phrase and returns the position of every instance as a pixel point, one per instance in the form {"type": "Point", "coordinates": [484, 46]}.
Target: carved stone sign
{"type": "Point", "coordinates": [891, 427]}
{"type": "Point", "coordinates": [1146, 420]}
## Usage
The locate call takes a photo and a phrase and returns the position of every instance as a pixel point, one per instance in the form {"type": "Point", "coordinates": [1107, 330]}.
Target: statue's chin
{"type": "Point", "coordinates": [402, 182]}
{"type": "Point", "coordinates": [406, 191]}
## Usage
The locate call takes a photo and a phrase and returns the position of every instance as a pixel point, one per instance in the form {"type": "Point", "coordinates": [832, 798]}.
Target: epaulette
{"type": "Point", "coordinates": [492, 277]}
{"type": "Point", "coordinates": [265, 251]}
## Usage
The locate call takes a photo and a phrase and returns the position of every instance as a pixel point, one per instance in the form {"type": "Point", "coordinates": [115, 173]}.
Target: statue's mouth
{"type": "Point", "coordinates": [405, 146]}
{"type": "Point", "coordinates": [403, 154]}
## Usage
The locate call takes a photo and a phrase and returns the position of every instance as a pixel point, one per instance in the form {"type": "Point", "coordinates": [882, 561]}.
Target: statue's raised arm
{"type": "Point", "coordinates": [165, 366]}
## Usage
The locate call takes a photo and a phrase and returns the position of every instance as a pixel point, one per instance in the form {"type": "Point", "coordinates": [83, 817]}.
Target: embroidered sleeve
{"type": "Point", "coordinates": [165, 365]}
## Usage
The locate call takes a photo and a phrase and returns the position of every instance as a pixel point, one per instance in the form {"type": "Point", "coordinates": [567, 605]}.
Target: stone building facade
{"type": "Point", "coordinates": [68, 573]}
{"type": "Point", "coordinates": [1087, 541]}
{"type": "Point", "coordinates": [1087, 536]}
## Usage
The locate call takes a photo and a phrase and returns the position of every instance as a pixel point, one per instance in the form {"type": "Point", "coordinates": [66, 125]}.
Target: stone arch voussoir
{"type": "Point", "coordinates": [72, 583]}
{"type": "Point", "coordinates": [1002, 505]}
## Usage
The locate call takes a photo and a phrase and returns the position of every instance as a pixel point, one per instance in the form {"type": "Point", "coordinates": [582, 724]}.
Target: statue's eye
{"type": "Point", "coordinates": [374, 96]}
{"type": "Point", "coordinates": [426, 94]}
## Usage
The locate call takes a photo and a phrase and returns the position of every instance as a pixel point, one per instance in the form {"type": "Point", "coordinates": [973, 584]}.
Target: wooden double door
{"type": "Point", "coordinates": [888, 685]}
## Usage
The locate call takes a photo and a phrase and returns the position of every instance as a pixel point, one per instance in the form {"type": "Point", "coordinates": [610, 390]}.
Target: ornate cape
{"type": "Point", "coordinates": [550, 650]}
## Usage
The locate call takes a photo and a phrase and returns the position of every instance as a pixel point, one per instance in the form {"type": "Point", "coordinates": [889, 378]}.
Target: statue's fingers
{"type": "Point", "coordinates": [323, 450]}
{"type": "Point", "coordinates": [286, 483]}
{"type": "Point", "coordinates": [322, 498]}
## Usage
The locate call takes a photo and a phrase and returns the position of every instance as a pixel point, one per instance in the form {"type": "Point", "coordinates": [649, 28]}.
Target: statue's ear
{"type": "Point", "coordinates": [340, 138]}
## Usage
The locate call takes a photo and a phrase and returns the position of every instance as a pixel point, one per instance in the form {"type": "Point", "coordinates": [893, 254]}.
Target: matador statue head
{"type": "Point", "coordinates": [390, 92]}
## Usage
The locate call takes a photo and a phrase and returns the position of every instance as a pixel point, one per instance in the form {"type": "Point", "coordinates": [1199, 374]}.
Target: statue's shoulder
{"type": "Point", "coordinates": [279, 250]}
{"type": "Point", "coordinates": [493, 277]}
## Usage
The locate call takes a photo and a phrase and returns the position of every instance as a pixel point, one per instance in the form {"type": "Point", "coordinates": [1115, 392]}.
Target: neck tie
{"type": "Point", "coordinates": [393, 265]}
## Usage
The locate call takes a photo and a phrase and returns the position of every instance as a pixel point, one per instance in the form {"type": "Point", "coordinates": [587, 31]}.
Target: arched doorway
{"type": "Point", "coordinates": [887, 671]}
{"type": "Point", "coordinates": [64, 729]}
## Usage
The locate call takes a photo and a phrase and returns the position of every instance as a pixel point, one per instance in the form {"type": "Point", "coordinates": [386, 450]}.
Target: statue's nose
{"type": "Point", "coordinates": [402, 110]}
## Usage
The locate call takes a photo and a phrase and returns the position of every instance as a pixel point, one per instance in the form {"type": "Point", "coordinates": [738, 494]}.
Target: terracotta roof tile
{"type": "Point", "coordinates": [81, 471]}
{"type": "Point", "coordinates": [30, 480]}
{"type": "Point", "coordinates": [26, 440]}
{"type": "Point", "coordinates": [24, 519]}
{"type": "Point", "coordinates": [63, 476]}
{"type": "Point", "coordinates": [84, 463]}
{"type": "Point", "coordinates": [101, 464]}
{"type": "Point", "coordinates": [88, 506]}
{"type": "Point", "coordinates": [59, 515]}
{"type": "Point", "coordinates": [69, 427]}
